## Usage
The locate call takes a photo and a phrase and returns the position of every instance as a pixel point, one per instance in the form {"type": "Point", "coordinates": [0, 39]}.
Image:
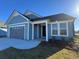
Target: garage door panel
{"type": "Point", "coordinates": [17, 32]}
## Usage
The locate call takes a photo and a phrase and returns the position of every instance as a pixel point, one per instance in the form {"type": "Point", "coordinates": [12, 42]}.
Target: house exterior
{"type": "Point", "coordinates": [30, 26]}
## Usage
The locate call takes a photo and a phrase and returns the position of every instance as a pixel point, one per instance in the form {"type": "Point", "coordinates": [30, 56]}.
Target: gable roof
{"type": "Point", "coordinates": [34, 17]}
{"type": "Point", "coordinates": [31, 15]}
{"type": "Point", "coordinates": [57, 17]}
{"type": "Point", "coordinates": [15, 13]}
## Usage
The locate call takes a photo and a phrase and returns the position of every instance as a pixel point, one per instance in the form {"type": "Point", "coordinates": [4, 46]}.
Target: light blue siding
{"type": "Point", "coordinates": [35, 31]}
{"type": "Point", "coordinates": [71, 29]}
{"type": "Point", "coordinates": [17, 19]}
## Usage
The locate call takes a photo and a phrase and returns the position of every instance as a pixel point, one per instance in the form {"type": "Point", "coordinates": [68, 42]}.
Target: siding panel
{"type": "Point", "coordinates": [71, 29]}
{"type": "Point", "coordinates": [17, 19]}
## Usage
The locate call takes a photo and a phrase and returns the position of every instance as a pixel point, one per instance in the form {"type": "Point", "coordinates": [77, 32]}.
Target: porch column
{"type": "Point", "coordinates": [32, 31]}
{"type": "Point", "coordinates": [25, 32]}
{"type": "Point", "coordinates": [67, 29]}
{"type": "Point", "coordinates": [28, 32]}
{"type": "Point", "coordinates": [8, 34]}
{"type": "Point", "coordinates": [46, 31]}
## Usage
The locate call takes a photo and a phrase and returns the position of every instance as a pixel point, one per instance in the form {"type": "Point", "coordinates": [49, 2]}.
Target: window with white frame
{"type": "Point", "coordinates": [63, 29]}
{"type": "Point", "coordinates": [59, 29]}
{"type": "Point", "coordinates": [54, 29]}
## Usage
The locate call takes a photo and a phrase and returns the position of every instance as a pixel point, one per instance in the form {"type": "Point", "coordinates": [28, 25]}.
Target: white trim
{"type": "Point", "coordinates": [24, 32]}
{"type": "Point", "coordinates": [38, 31]}
{"type": "Point", "coordinates": [41, 30]}
{"type": "Point", "coordinates": [10, 26]}
{"type": "Point", "coordinates": [67, 28]}
{"type": "Point", "coordinates": [46, 31]}
{"type": "Point", "coordinates": [58, 25]}
{"type": "Point", "coordinates": [61, 21]}
{"type": "Point", "coordinates": [58, 29]}
{"type": "Point", "coordinates": [14, 14]}
{"type": "Point", "coordinates": [28, 32]}
{"type": "Point", "coordinates": [52, 28]}
{"type": "Point", "coordinates": [8, 34]}
{"type": "Point", "coordinates": [38, 22]}
{"type": "Point", "coordinates": [19, 23]}
{"type": "Point", "coordinates": [24, 17]}
{"type": "Point", "coordinates": [32, 31]}
{"type": "Point", "coordinates": [16, 26]}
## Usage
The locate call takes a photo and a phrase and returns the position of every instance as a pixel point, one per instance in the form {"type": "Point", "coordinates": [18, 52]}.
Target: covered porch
{"type": "Point", "coordinates": [40, 30]}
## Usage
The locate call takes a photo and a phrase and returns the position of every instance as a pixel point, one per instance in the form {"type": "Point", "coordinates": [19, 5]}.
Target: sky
{"type": "Point", "coordinates": [41, 7]}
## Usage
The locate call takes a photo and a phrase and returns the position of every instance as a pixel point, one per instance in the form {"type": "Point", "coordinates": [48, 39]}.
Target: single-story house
{"type": "Point", "coordinates": [31, 26]}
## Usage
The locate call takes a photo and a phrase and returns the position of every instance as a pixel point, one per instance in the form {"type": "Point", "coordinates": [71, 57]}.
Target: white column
{"type": "Point", "coordinates": [8, 32]}
{"type": "Point", "coordinates": [25, 32]}
{"type": "Point", "coordinates": [67, 28]}
{"type": "Point", "coordinates": [46, 31]}
{"type": "Point", "coordinates": [38, 30]}
{"type": "Point", "coordinates": [28, 32]}
{"type": "Point", "coordinates": [32, 31]}
{"type": "Point", "coordinates": [58, 26]}
{"type": "Point", "coordinates": [41, 31]}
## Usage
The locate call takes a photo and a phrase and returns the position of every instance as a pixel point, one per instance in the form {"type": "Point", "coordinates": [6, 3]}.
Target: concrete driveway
{"type": "Point", "coordinates": [19, 44]}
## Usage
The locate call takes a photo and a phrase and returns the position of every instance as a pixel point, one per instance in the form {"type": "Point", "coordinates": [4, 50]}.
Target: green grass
{"type": "Point", "coordinates": [40, 52]}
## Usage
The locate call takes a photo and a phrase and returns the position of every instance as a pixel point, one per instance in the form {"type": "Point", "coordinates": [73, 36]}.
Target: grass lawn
{"type": "Point", "coordinates": [41, 52]}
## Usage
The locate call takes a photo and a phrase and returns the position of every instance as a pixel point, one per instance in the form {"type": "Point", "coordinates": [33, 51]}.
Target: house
{"type": "Point", "coordinates": [31, 26]}
{"type": "Point", "coordinates": [3, 32]}
{"type": "Point", "coordinates": [77, 32]}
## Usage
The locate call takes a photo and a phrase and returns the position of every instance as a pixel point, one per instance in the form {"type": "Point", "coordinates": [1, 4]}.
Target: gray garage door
{"type": "Point", "coordinates": [17, 32]}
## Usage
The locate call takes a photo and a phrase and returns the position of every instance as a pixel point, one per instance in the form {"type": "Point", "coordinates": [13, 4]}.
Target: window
{"type": "Point", "coordinates": [54, 29]}
{"type": "Point", "coordinates": [59, 29]}
{"type": "Point", "coordinates": [63, 30]}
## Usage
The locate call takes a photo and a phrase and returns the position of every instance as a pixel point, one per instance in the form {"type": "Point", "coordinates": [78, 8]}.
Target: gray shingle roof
{"type": "Point", "coordinates": [57, 17]}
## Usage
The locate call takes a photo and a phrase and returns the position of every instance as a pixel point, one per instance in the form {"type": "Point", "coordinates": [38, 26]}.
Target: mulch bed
{"type": "Point", "coordinates": [73, 46]}
{"type": "Point", "coordinates": [63, 44]}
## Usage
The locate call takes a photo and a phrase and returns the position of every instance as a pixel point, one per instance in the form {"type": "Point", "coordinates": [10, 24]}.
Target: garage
{"type": "Point", "coordinates": [17, 32]}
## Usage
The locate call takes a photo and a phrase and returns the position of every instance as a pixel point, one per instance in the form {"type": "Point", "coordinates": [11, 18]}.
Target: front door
{"type": "Point", "coordinates": [43, 31]}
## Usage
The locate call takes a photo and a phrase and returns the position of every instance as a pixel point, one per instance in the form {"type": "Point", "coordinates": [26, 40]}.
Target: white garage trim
{"type": "Point", "coordinates": [24, 33]}
{"type": "Point", "coordinates": [16, 26]}
{"type": "Point", "coordinates": [22, 23]}
{"type": "Point", "coordinates": [19, 25]}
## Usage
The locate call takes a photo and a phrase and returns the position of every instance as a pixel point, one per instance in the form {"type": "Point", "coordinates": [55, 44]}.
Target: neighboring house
{"type": "Point", "coordinates": [2, 24]}
{"type": "Point", "coordinates": [3, 32]}
{"type": "Point", "coordinates": [77, 33]}
{"type": "Point", "coordinates": [30, 26]}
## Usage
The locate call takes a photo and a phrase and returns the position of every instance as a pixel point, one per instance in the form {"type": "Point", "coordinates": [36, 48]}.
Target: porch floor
{"type": "Point", "coordinates": [19, 44]}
